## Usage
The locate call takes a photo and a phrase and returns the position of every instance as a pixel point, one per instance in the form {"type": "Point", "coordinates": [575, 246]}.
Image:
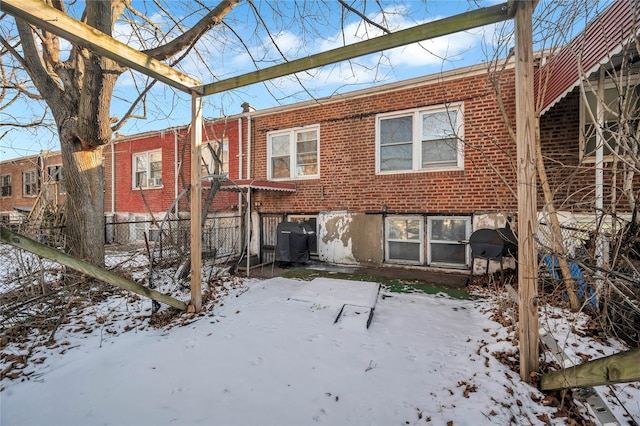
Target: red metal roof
{"type": "Point", "coordinates": [609, 32]}
{"type": "Point", "coordinates": [258, 184]}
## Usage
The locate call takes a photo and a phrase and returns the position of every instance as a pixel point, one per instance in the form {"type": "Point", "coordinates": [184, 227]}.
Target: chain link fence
{"type": "Point", "coordinates": [604, 260]}
{"type": "Point", "coordinates": [38, 292]}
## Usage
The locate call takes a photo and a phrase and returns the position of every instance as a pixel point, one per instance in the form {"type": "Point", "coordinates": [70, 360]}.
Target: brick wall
{"type": "Point", "coordinates": [40, 164]}
{"type": "Point", "coordinates": [573, 182]}
{"type": "Point", "coordinates": [143, 201]}
{"type": "Point", "coordinates": [347, 155]}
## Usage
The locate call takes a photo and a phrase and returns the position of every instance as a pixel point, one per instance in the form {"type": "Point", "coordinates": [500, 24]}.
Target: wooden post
{"type": "Point", "coordinates": [527, 203]}
{"type": "Point", "coordinates": [618, 368]}
{"type": "Point", "coordinates": [196, 204]}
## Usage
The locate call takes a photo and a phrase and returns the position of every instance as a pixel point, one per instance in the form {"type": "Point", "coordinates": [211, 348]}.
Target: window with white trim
{"type": "Point", "coordinates": [56, 175]}
{"type": "Point", "coordinates": [447, 236]}
{"type": "Point", "coordinates": [294, 153]}
{"type": "Point", "coordinates": [147, 169]}
{"type": "Point", "coordinates": [215, 157]}
{"type": "Point", "coordinates": [620, 119]}
{"type": "Point", "coordinates": [29, 184]}
{"type": "Point", "coordinates": [420, 140]}
{"type": "Point", "coordinates": [404, 239]}
{"type": "Point", "coordinates": [5, 185]}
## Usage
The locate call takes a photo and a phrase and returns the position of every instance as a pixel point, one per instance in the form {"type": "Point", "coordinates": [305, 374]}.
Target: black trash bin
{"type": "Point", "coordinates": [294, 241]}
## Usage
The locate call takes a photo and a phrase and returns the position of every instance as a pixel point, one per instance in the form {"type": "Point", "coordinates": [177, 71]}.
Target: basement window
{"type": "Point", "coordinates": [404, 239]}
{"type": "Point", "coordinates": [447, 237]}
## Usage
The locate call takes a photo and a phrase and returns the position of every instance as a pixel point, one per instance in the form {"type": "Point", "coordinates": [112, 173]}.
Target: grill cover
{"type": "Point", "coordinates": [493, 243]}
{"type": "Point", "coordinates": [294, 241]}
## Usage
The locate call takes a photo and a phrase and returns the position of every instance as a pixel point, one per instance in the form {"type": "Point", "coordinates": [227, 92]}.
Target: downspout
{"type": "Point", "coordinates": [176, 168]}
{"type": "Point", "coordinates": [240, 148]}
{"type": "Point", "coordinates": [248, 229]}
{"type": "Point", "coordinates": [113, 178]}
{"type": "Point", "coordinates": [248, 191]}
{"type": "Point", "coordinates": [248, 146]}
{"type": "Point", "coordinates": [599, 181]}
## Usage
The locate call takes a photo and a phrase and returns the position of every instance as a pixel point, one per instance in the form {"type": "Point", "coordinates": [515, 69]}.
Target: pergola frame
{"type": "Point", "coordinates": [43, 16]}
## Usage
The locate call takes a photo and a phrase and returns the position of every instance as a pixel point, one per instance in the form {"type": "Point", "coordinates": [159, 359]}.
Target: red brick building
{"type": "Point", "coordinates": [397, 174]}
{"type": "Point", "coordinates": [31, 181]}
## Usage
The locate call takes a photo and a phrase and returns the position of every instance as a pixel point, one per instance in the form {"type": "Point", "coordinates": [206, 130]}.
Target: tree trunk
{"type": "Point", "coordinates": [556, 231]}
{"type": "Point", "coordinates": [84, 181]}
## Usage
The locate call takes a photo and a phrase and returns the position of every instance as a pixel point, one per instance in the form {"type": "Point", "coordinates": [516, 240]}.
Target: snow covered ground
{"type": "Point", "coordinates": [267, 356]}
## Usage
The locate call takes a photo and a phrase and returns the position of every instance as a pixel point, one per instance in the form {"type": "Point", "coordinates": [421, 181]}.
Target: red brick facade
{"type": "Point", "coordinates": [18, 198]}
{"type": "Point", "coordinates": [348, 179]}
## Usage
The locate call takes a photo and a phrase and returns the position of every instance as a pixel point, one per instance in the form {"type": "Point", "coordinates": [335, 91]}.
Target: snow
{"type": "Point", "coordinates": [269, 353]}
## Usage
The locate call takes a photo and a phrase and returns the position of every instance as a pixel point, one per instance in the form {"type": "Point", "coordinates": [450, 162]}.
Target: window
{"type": "Point", "coordinates": [293, 154]}
{"type": "Point", "coordinates": [29, 184]}
{"type": "Point", "coordinates": [313, 222]}
{"type": "Point", "coordinates": [404, 239]}
{"type": "Point", "coordinates": [5, 185]}
{"type": "Point", "coordinates": [620, 116]}
{"type": "Point", "coordinates": [215, 154]}
{"type": "Point", "coordinates": [55, 175]}
{"type": "Point", "coordinates": [147, 170]}
{"type": "Point", "coordinates": [447, 240]}
{"type": "Point", "coordinates": [420, 140]}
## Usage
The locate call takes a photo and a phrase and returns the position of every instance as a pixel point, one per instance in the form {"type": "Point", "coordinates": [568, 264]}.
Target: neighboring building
{"type": "Point", "coordinates": [28, 183]}
{"type": "Point", "coordinates": [146, 176]}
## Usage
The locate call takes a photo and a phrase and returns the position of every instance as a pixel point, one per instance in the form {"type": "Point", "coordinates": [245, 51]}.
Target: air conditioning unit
{"type": "Point", "coordinates": [154, 182]}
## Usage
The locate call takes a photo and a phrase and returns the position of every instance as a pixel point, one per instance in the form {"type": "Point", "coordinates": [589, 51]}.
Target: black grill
{"type": "Point", "coordinates": [493, 244]}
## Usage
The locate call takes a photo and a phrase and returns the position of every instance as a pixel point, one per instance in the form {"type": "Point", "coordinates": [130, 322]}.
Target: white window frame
{"type": "Point", "coordinates": [5, 182]}
{"type": "Point", "coordinates": [207, 161]}
{"type": "Point", "coordinates": [587, 125]}
{"type": "Point", "coordinates": [431, 240]}
{"type": "Point", "coordinates": [57, 176]}
{"type": "Point", "coordinates": [387, 240]}
{"type": "Point", "coordinates": [33, 183]}
{"type": "Point", "coordinates": [457, 133]}
{"type": "Point", "coordinates": [293, 154]}
{"type": "Point", "coordinates": [149, 181]}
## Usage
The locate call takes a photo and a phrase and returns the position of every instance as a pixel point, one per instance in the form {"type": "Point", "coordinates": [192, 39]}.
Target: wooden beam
{"type": "Point", "coordinates": [527, 201]}
{"type": "Point", "coordinates": [618, 368]}
{"type": "Point", "coordinates": [94, 271]}
{"type": "Point", "coordinates": [457, 23]}
{"type": "Point", "coordinates": [48, 18]}
{"type": "Point", "coordinates": [196, 203]}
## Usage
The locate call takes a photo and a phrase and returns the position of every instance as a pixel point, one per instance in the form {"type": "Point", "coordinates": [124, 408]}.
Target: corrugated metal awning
{"type": "Point", "coordinates": [602, 39]}
{"type": "Point", "coordinates": [257, 184]}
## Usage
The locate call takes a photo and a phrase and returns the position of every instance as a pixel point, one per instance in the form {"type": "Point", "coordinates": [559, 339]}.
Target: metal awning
{"type": "Point", "coordinates": [257, 184]}
{"type": "Point", "coordinates": [600, 41]}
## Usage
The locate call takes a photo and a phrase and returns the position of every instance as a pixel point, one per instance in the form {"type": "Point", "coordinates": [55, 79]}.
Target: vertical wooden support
{"type": "Point", "coordinates": [527, 203]}
{"type": "Point", "coordinates": [196, 203]}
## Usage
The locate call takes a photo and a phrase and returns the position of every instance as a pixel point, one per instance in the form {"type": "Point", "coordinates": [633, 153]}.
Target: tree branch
{"type": "Point", "coordinates": [192, 35]}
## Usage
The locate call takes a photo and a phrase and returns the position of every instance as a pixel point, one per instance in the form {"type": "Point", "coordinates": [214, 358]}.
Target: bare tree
{"type": "Point", "coordinates": [78, 85]}
{"type": "Point", "coordinates": [78, 91]}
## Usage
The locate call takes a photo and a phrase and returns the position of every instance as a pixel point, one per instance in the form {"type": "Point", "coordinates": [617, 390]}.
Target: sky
{"type": "Point", "coordinates": [167, 107]}
{"type": "Point", "coordinates": [270, 352]}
